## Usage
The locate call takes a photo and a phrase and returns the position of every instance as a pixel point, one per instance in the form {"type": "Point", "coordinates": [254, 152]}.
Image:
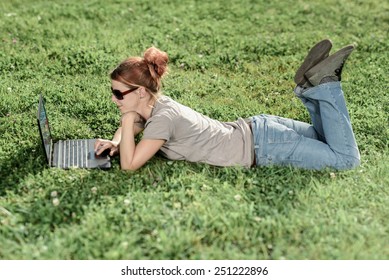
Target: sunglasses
{"type": "Point", "coordinates": [119, 94]}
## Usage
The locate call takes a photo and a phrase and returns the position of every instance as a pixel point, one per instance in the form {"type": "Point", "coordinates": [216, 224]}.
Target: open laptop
{"type": "Point", "coordinates": [67, 154]}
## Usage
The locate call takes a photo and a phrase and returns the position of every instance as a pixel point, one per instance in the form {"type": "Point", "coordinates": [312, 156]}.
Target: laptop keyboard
{"type": "Point", "coordinates": [72, 153]}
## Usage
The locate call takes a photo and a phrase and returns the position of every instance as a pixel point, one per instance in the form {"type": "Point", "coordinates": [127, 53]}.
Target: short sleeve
{"type": "Point", "coordinates": [159, 127]}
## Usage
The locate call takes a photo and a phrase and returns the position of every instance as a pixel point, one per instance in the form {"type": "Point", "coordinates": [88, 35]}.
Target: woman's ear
{"type": "Point", "coordinates": [142, 92]}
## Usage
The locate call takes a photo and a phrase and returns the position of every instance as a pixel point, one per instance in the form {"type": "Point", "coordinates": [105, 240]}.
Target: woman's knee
{"type": "Point", "coordinates": [349, 162]}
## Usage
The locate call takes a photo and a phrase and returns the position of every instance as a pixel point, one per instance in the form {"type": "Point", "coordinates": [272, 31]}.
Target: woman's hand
{"type": "Point", "coordinates": [101, 145]}
{"type": "Point", "coordinates": [131, 116]}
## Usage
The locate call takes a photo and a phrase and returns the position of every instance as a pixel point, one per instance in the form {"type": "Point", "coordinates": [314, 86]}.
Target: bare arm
{"type": "Point", "coordinates": [133, 156]}
{"type": "Point", "coordinates": [138, 128]}
{"type": "Point", "coordinates": [117, 136]}
{"type": "Point", "coordinates": [101, 144]}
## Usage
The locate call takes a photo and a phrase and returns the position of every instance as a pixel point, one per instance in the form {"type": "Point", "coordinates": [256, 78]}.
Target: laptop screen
{"type": "Point", "coordinates": [44, 128]}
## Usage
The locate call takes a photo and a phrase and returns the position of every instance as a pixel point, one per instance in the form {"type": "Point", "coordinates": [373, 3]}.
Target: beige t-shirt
{"type": "Point", "coordinates": [194, 137]}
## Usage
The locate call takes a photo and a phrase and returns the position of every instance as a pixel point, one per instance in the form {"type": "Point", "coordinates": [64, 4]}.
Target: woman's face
{"type": "Point", "coordinates": [129, 102]}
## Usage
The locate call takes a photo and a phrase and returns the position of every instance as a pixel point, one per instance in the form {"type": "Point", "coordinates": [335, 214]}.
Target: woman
{"type": "Point", "coordinates": [181, 133]}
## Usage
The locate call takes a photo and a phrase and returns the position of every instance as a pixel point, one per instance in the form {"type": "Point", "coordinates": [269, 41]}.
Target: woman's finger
{"type": "Point", "coordinates": [97, 143]}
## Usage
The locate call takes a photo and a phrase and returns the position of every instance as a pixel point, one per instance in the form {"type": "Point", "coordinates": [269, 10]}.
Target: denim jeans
{"type": "Point", "coordinates": [328, 142]}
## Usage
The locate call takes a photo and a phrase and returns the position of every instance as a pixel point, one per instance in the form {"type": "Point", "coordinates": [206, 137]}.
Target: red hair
{"type": "Point", "coordinates": [146, 72]}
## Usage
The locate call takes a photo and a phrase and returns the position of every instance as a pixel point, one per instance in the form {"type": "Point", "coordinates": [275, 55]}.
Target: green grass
{"type": "Point", "coordinates": [227, 59]}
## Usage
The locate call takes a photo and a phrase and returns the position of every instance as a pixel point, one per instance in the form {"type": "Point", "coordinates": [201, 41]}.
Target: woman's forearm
{"type": "Point", "coordinates": [127, 144]}
{"type": "Point", "coordinates": [117, 136]}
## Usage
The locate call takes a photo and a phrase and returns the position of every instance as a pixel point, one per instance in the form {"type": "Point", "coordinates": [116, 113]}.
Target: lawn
{"type": "Point", "coordinates": [228, 59]}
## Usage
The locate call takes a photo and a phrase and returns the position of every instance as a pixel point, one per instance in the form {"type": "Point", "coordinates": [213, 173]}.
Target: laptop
{"type": "Point", "coordinates": [66, 154]}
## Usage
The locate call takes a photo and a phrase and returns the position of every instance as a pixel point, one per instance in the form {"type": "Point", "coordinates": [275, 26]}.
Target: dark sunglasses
{"type": "Point", "coordinates": [119, 94]}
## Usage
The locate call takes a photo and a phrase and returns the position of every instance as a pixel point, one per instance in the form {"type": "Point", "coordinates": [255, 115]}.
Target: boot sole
{"type": "Point", "coordinates": [317, 53]}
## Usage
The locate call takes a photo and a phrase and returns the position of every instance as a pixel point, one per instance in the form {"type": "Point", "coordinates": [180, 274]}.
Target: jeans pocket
{"type": "Point", "coordinates": [278, 133]}
{"type": "Point", "coordinates": [281, 144]}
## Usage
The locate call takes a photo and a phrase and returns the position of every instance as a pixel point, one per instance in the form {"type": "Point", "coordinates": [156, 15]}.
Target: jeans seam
{"type": "Point", "coordinates": [342, 123]}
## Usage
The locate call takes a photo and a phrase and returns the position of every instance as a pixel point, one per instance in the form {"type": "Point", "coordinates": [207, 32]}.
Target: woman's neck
{"type": "Point", "coordinates": [146, 110]}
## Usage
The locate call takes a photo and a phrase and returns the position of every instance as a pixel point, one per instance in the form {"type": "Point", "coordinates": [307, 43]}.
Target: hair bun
{"type": "Point", "coordinates": [157, 62]}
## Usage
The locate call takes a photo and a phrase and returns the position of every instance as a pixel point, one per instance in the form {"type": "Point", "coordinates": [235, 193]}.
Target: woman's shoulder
{"type": "Point", "coordinates": [167, 101]}
{"type": "Point", "coordinates": [166, 104]}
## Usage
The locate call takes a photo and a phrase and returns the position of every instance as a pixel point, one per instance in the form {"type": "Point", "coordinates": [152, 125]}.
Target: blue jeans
{"type": "Point", "coordinates": [328, 142]}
